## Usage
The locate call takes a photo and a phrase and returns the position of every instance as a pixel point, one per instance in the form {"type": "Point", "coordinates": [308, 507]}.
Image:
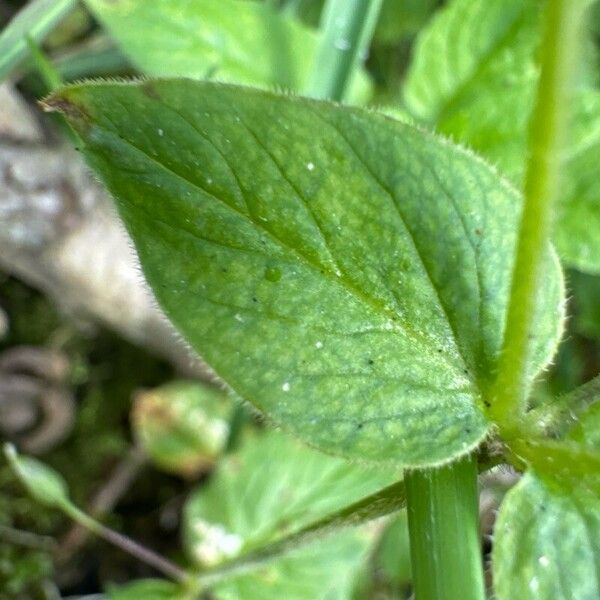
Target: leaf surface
{"type": "Point", "coordinates": [547, 537]}
{"type": "Point", "coordinates": [271, 488]}
{"type": "Point", "coordinates": [228, 40]}
{"type": "Point", "coordinates": [547, 543]}
{"type": "Point", "coordinates": [342, 271]}
{"type": "Point", "coordinates": [474, 75]}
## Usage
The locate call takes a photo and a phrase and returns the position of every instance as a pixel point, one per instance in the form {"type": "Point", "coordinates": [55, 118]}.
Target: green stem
{"type": "Point", "coordinates": [346, 28]}
{"type": "Point", "coordinates": [443, 522]}
{"type": "Point", "coordinates": [548, 124]}
{"type": "Point", "coordinates": [161, 564]}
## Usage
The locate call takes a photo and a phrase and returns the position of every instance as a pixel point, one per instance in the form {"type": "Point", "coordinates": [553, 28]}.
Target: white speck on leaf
{"type": "Point", "coordinates": [534, 584]}
{"type": "Point", "coordinates": [215, 543]}
{"type": "Point", "coordinates": [286, 386]}
{"type": "Point", "coordinates": [239, 317]}
{"type": "Point", "coordinates": [161, 132]}
{"type": "Point", "coordinates": [319, 345]}
{"type": "Point", "coordinates": [310, 166]}
{"type": "Point", "coordinates": [544, 561]}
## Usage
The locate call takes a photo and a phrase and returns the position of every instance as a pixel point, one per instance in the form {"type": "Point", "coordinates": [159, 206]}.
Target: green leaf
{"type": "Point", "coordinates": [228, 40]}
{"type": "Point", "coordinates": [36, 20]}
{"type": "Point", "coordinates": [547, 543]}
{"type": "Point", "coordinates": [149, 589]}
{"type": "Point", "coordinates": [342, 271]}
{"type": "Point", "coordinates": [324, 570]}
{"type": "Point", "coordinates": [273, 488]}
{"type": "Point", "coordinates": [547, 537]}
{"type": "Point", "coordinates": [382, 503]}
{"type": "Point", "coordinates": [280, 487]}
{"type": "Point", "coordinates": [400, 19]}
{"type": "Point", "coordinates": [578, 220]}
{"type": "Point", "coordinates": [474, 75]}
{"type": "Point", "coordinates": [42, 482]}
{"type": "Point", "coordinates": [182, 426]}
{"type": "Point", "coordinates": [569, 463]}
{"type": "Point", "coordinates": [587, 430]}
{"type": "Point", "coordinates": [557, 416]}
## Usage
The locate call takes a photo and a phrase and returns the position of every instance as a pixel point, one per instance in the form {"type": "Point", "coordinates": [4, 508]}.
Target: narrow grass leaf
{"type": "Point", "coordinates": [36, 20]}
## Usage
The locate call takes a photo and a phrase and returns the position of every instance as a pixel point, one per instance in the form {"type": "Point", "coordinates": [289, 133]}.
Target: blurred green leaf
{"type": "Point", "coordinates": [149, 589]}
{"type": "Point", "coordinates": [586, 300]}
{"type": "Point", "coordinates": [587, 430]}
{"type": "Point", "coordinates": [364, 327]}
{"type": "Point", "coordinates": [42, 482]}
{"type": "Point", "coordinates": [36, 19]}
{"type": "Point", "coordinates": [480, 91]}
{"type": "Point", "coordinates": [325, 570]}
{"type": "Point", "coordinates": [389, 573]}
{"type": "Point", "coordinates": [394, 551]}
{"type": "Point", "coordinates": [272, 488]}
{"type": "Point", "coordinates": [400, 19]}
{"type": "Point", "coordinates": [182, 425]}
{"type": "Point", "coordinates": [227, 40]}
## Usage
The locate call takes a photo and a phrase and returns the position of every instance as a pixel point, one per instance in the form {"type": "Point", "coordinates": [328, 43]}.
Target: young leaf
{"type": "Point", "coordinates": [36, 20]}
{"type": "Point", "coordinates": [273, 488]}
{"type": "Point", "coordinates": [342, 271]}
{"type": "Point", "coordinates": [42, 482]}
{"type": "Point", "coordinates": [480, 90]}
{"type": "Point", "coordinates": [182, 426]}
{"type": "Point", "coordinates": [228, 40]}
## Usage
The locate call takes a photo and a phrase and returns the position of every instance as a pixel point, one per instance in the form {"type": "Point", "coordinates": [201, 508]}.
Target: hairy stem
{"type": "Point", "coordinates": [548, 124]}
{"type": "Point", "coordinates": [443, 522]}
{"type": "Point", "coordinates": [346, 30]}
